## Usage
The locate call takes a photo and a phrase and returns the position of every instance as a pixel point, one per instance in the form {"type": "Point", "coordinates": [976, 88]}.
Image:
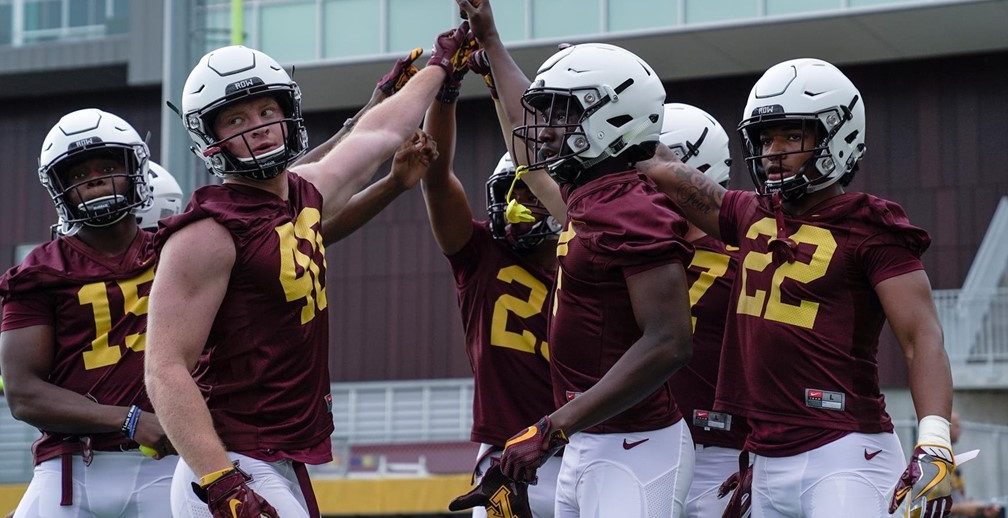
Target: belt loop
{"type": "Point", "coordinates": [66, 480]}
{"type": "Point", "coordinates": [306, 489]}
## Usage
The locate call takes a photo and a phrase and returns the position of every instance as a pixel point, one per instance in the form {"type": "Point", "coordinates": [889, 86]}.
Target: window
{"type": "Point", "coordinates": [558, 18]}
{"type": "Point", "coordinates": [628, 15]}
{"type": "Point", "coordinates": [361, 37]}
{"type": "Point", "coordinates": [287, 32]}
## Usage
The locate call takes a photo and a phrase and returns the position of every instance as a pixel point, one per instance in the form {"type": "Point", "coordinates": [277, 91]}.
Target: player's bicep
{"type": "Point", "coordinates": [189, 285]}
{"type": "Point", "coordinates": [26, 356]}
{"type": "Point", "coordinates": [342, 172]}
{"type": "Point", "coordinates": [909, 307]}
{"type": "Point", "coordinates": [660, 300]}
{"type": "Point", "coordinates": [449, 212]}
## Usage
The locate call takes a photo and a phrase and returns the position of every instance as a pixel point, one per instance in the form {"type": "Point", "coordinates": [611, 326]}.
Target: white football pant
{"type": "Point", "coordinates": [276, 482]}
{"type": "Point", "coordinates": [629, 475]}
{"type": "Point", "coordinates": [713, 465]}
{"type": "Point", "coordinates": [851, 476]}
{"type": "Point", "coordinates": [117, 484]}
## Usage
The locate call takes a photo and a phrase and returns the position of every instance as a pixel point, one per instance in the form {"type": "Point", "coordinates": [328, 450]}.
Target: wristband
{"type": "Point", "coordinates": [130, 423]}
{"type": "Point", "coordinates": [934, 430]}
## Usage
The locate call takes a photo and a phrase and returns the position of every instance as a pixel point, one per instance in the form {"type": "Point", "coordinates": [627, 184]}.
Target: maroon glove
{"type": "Point", "coordinates": [230, 497]}
{"type": "Point", "coordinates": [741, 481]}
{"type": "Point", "coordinates": [507, 498]}
{"type": "Point", "coordinates": [401, 72]}
{"type": "Point", "coordinates": [480, 64]}
{"type": "Point", "coordinates": [529, 449]}
{"type": "Point", "coordinates": [449, 91]}
{"type": "Point", "coordinates": [447, 45]}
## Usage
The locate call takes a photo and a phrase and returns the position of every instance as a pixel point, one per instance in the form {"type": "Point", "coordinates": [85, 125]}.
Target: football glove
{"type": "Point", "coordinates": [446, 47]}
{"type": "Point", "coordinates": [927, 482]}
{"type": "Point", "coordinates": [529, 449]}
{"type": "Point", "coordinates": [228, 496]}
{"type": "Point", "coordinates": [741, 482]}
{"type": "Point", "coordinates": [452, 85]}
{"type": "Point", "coordinates": [401, 72]}
{"type": "Point", "coordinates": [501, 496]}
{"type": "Point", "coordinates": [480, 64]}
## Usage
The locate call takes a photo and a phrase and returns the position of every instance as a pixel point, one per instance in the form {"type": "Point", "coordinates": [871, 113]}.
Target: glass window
{"type": "Point", "coordinates": [361, 37]}
{"type": "Point", "coordinates": [510, 19]}
{"type": "Point", "coordinates": [701, 11]}
{"type": "Point", "coordinates": [6, 23]}
{"type": "Point", "coordinates": [628, 15]}
{"type": "Point", "coordinates": [86, 12]}
{"type": "Point", "coordinates": [287, 32]}
{"type": "Point", "coordinates": [413, 23]}
{"type": "Point", "coordinates": [866, 3]}
{"type": "Point", "coordinates": [779, 7]}
{"type": "Point", "coordinates": [557, 18]}
{"type": "Point", "coordinates": [42, 14]}
{"type": "Point", "coordinates": [218, 29]}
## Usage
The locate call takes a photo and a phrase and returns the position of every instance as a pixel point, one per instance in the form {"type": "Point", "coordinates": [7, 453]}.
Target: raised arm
{"type": "Point", "coordinates": [389, 84]}
{"type": "Point", "coordinates": [341, 173]}
{"type": "Point", "coordinates": [447, 205]}
{"type": "Point", "coordinates": [696, 195]}
{"type": "Point", "coordinates": [191, 280]}
{"type": "Point", "coordinates": [408, 165]}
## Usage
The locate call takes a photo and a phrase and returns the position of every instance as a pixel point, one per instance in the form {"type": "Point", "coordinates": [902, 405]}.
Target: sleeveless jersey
{"type": "Point", "coordinates": [264, 371]}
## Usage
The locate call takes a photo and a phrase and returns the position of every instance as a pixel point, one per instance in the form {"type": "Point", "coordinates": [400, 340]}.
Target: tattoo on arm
{"type": "Point", "coordinates": [695, 192]}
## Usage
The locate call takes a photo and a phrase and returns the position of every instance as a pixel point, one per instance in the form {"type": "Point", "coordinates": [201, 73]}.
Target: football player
{"type": "Point", "coordinates": [620, 322]}
{"type": "Point", "coordinates": [239, 303]}
{"type": "Point", "coordinates": [820, 270]}
{"type": "Point", "coordinates": [699, 140]}
{"type": "Point", "coordinates": [74, 323]}
{"type": "Point", "coordinates": [503, 272]}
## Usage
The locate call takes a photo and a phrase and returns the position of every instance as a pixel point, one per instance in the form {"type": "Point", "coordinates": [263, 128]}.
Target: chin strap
{"type": "Point", "coordinates": [782, 246]}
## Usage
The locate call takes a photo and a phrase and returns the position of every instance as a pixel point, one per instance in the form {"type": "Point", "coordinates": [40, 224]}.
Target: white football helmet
{"type": "Point", "coordinates": [617, 100]}
{"type": "Point", "coordinates": [697, 139]}
{"type": "Point", "coordinates": [233, 74]}
{"type": "Point", "coordinates": [819, 97]}
{"type": "Point", "coordinates": [166, 199]}
{"type": "Point", "coordinates": [92, 133]}
{"type": "Point", "coordinates": [498, 187]}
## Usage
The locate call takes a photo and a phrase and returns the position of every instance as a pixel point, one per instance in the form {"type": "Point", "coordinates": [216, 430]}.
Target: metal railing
{"type": "Point", "coordinates": [975, 326]}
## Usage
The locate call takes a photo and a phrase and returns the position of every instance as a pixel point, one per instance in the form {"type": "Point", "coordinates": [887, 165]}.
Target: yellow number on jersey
{"type": "Point", "coordinates": [714, 265]}
{"type": "Point", "coordinates": [103, 354]}
{"type": "Point", "coordinates": [565, 238]}
{"type": "Point", "coordinates": [773, 307]}
{"type": "Point", "coordinates": [308, 285]}
{"type": "Point", "coordinates": [499, 335]}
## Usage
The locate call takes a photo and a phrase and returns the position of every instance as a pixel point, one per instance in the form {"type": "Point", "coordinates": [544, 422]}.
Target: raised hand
{"type": "Point", "coordinates": [401, 72]}
{"type": "Point", "coordinates": [446, 46]}
{"type": "Point", "coordinates": [480, 18]}
{"type": "Point", "coordinates": [449, 91]}
{"type": "Point", "coordinates": [480, 64]}
{"type": "Point", "coordinates": [412, 159]}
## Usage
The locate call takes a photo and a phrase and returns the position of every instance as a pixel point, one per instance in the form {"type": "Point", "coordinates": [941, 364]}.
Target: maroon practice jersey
{"type": "Point", "coordinates": [97, 307]}
{"type": "Point", "coordinates": [710, 277]}
{"type": "Point", "coordinates": [503, 298]}
{"type": "Point", "coordinates": [804, 334]}
{"type": "Point", "coordinates": [264, 371]}
{"type": "Point", "coordinates": [618, 225]}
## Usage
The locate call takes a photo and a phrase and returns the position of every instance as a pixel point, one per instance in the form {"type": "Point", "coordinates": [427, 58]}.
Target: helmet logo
{"type": "Point", "coordinates": [84, 143]}
{"type": "Point", "coordinates": [244, 84]}
{"type": "Point", "coordinates": [768, 110]}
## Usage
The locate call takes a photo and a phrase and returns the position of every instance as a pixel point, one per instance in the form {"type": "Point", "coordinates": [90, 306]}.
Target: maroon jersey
{"type": "Point", "coordinates": [804, 333]}
{"type": "Point", "coordinates": [264, 371]}
{"type": "Point", "coordinates": [97, 307]}
{"type": "Point", "coordinates": [503, 296]}
{"type": "Point", "coordinates": [618, 225]}
{"type": "Point", "coordinates": [710, 277]}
